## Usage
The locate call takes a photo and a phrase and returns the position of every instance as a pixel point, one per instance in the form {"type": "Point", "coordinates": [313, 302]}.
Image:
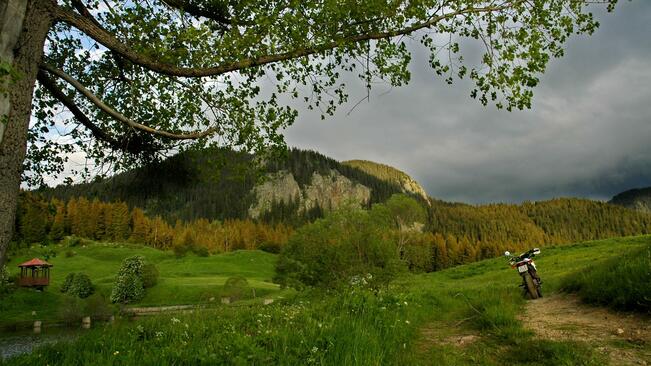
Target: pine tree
{"type": "Point", "coordinates": [140, 226]}
{"type": "Point", "coordinates": [57, 231]}
{"type": "Point", "coordinates": [33, 222]}
{"type": "Point", "coordinates": [119, 229]}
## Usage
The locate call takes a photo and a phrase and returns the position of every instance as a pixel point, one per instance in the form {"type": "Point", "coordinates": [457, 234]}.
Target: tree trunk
{"type": "Point", "coordinates": [24, 52]}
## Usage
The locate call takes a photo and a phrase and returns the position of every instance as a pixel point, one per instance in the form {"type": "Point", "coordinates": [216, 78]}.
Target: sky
{"type": "Point", "coordinates": [588, 133]}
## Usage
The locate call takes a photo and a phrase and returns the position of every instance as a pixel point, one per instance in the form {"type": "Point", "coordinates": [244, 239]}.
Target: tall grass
{"type": "Point", "coordinates": [622, 282]}
{"type": "Point", "coordinates": [358, 328]}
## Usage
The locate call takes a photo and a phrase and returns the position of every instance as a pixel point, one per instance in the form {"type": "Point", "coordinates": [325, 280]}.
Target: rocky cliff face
{"type": "Point", "coordinates": [329, 191]}
{"type": "Point", "coordinates": [635, 199]}
{"type": "Point", "coordinates": [279, 187]}
{"type": "Point", "coordinates": [411, 186]}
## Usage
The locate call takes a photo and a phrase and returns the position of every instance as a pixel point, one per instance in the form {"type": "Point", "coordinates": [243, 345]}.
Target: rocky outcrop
{"type": "Point", "coordinates": [409, 185]}
{"type": "Point", "coordinates": [329, 192]}
{"type": "Point", "coordinates": [334, 190]}
{"type": "Point", "coordinates": [278, 187]}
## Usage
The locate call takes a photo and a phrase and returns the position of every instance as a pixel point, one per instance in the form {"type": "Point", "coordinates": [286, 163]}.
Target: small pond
{"type": "Point", "coordinates": [24, 341]}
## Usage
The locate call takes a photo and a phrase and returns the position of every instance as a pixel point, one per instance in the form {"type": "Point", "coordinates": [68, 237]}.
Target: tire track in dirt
{"type": "Point", "coordinates": [624, 337]}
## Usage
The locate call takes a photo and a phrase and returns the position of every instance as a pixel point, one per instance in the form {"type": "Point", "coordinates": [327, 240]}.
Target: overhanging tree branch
{"type": "Point", "coordinates": [125, 144]}
{"type": "Point", "coordinates": [120, 117]}
{"type": "Point", "coordinates": [107, 39]}
{"type": "Point", "coordinates": [49, 84]}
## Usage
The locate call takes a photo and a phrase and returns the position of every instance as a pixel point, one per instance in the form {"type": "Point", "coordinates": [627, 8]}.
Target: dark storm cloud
{"type": "Point", "coordinates": [587, 135]}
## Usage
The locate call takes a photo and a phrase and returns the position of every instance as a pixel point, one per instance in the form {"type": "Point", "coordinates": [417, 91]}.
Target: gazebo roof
{"type": "Point", "coordinates": [35, 262]}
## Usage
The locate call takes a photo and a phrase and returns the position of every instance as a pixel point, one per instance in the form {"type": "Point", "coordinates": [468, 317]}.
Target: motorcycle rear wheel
{"type": "Point", "coordinates": [531, 288]}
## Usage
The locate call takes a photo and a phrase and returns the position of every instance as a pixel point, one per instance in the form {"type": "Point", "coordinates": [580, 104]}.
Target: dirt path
{"type": "Point", "coordinates": [625, 338]}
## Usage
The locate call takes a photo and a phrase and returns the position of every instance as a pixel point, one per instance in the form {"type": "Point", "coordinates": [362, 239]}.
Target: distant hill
{"type": "Point", "coordinates": [220, 184]}
{"type": "Point", "coordinates": [638, 199]}
{"type": "Point", "coordinates": [390, 174]}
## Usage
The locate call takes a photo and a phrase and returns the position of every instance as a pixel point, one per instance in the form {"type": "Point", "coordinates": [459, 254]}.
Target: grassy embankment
{"type": "Point", "coordinates": [410, 324]}
{"type": "Point", "coordinates": [187, 280]}
{"type": "Point", "coordinates": [622, 282]}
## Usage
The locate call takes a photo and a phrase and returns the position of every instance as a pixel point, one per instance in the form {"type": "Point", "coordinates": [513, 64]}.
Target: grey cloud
{"type": "Point", "coordinates": [587, 135]}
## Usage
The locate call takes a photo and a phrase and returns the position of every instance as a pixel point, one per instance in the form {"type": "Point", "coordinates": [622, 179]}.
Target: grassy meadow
{"type": "Point", "coordinates": [417, 321]}
{"type": "Point", "coordinates": [187, 280]}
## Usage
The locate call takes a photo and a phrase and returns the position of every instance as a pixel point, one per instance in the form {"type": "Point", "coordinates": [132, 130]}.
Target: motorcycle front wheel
{"type": "Point", "coordinates": [531, 288]}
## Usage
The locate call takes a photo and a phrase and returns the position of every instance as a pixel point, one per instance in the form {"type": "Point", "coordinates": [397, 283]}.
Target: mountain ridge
{"type": "Point", "coordinates": [220, 184]}
{"type": "Point", "coordinates": [638, 199]}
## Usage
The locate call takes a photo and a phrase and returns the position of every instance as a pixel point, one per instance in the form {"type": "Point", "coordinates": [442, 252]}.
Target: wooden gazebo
{"type": "Point", "coordinates": [34, 273]}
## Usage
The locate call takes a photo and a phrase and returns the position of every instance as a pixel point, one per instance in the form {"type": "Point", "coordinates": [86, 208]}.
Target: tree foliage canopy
{"type": "Point", "coordinates": [145, 78]}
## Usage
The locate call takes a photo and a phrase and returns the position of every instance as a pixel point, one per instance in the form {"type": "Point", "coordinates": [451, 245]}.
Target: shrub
{"type": "Point", "coordinates": [128, 289]}
{"type": "Point", "coordinates": [69, 253]}
{"type": "Point", "coordinates": [71, 310]}
{"type": "Point", "coordinates": [270, 247]}
{"type": "Point", "coordinates": [67, 282]}
{"type": "Point", "coordinates": [81, 287]}
{"type": "Point", "coordinates": [149, 275]}
{"type": "Point", "coordinates": [236, 288]}
{"type": "Point", "coordinates": [49, 253]}
{"type": "Point", "coordinates": [201, 251]}
{"type": "Point", "coordinates": [72, 241]}
{"type": "Point", "coordinates": [334, 250]}
{"type": "Point", "coordinates": [98, 307]}
{"type": "Point", "coordinates": [78, 284]}
{"type": "Point", "coordinates": [180, 250]}
{"type": "Point", "coordinates": [5, 280]}
{"type": "Point", "coordinates": [129, 285]}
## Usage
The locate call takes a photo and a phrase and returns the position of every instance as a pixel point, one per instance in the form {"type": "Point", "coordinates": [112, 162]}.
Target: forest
{"type": "Point", "coordinates": [453, 233]}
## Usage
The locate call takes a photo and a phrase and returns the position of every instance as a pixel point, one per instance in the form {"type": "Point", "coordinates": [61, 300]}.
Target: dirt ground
{"type": "Point", "coordinates": [624, 337]}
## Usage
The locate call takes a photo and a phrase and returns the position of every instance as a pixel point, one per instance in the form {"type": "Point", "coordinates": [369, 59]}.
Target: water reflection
{"type": "Point", "coordinates": [19, 342]}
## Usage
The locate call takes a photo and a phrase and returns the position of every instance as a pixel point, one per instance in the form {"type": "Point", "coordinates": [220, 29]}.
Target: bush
{"type": "Point", "coordinates": [81, 287]}
{"type": "Point", "coordinates": [72, 241]}
{"type": "Point", "coordinates": [78, 284]}
{"type": "Point", "coordinates": [149, 275]}
{"type": "Point", "coordinates": [49, 253]}
{"type": "Point", "coordinates": [337, 249]}
{"type": "Point", "coordinates": [70, 253]}
{"type": "Point", "coordinates": [67, 282]}
{"type": "Point", "coordinates": [98, 307]}
{"type": "Point", "coordinates": [201, 251]}
{"type": "Point", "coordinates": [128, 289]}
{"type": "Point", "coordinates": [270, 247]}
{"type": "Point", "coordinates": [180, 250]}
{"type": "Point", "coordinates": [237, 288]}
{"type": "Point", "coordinates": [71, 310]}
{"type": "Point", "coordinates": [129, 285]}
{"type": "Point", "coordinates": [5, 280]}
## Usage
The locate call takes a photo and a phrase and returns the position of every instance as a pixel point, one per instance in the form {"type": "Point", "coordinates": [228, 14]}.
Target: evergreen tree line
{"type": "Point", "coordinates": [454, 233]}
{"type": "Point", "coordinates": [41, 220]}
{"type": "Point", "coordinates": [460, 233]}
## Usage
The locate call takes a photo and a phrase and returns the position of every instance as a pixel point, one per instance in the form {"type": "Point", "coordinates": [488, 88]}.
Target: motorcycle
{"type": "Point", "coordinates": [526, 267]}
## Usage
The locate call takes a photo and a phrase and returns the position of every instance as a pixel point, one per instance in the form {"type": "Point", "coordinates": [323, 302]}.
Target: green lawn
{"type": "Point", "coordinates": [187, 280]}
